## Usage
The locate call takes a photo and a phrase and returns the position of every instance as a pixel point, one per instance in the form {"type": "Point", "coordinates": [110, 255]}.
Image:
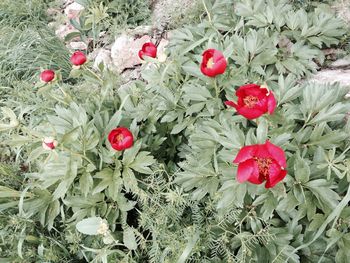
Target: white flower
{"type": "Point", "coordinates": [103, 228]}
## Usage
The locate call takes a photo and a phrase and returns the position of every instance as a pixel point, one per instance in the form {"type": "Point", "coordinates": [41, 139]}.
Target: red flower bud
{"type": "Point", "coordinates": [261, 162]}
{"type": "Point", "coordinates": [49, 143]}
{"type": "Point", "coordinates": [213, 63]}
{"type": "Point", "coordinates": [78, 58]}
{"type": "Point", "coordinates": [148, 49]}
{"type": "Point", "coordinates": [47, 75]}
{"type": "Point", "coordinates": [253, 101]}
{"type": "Point", "coordinates": [121, 138]}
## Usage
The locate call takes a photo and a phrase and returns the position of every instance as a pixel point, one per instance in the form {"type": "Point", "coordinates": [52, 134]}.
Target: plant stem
{"type": "Point", "coordinates": [92, 72]}
{"type": "Point", "coordinates": [61, 89]}
{"type": "Point", "coordinates": [217, 90]}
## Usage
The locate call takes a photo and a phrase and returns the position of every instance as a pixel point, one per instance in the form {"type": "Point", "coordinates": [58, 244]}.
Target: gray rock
{"type": "Point", "coordinates": [332, 76]}
{"type": "Point", "coordinates": [341, 63]}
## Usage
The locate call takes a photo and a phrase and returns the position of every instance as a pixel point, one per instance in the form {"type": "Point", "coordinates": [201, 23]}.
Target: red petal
{"type": "Point", "coordinates": [272, 181]}
{"type": "Point", "coordinates": [140, 54]}
{"type": "Point", "coordinates": [219, 66]}
{"type": "Point", "coordinates": [261, 105]}
{"type": "Point", "coordinates": [208, 53]}
{"type": "Point", "coordinates": [276, 153]}
{"type": "Point", "coordinates": [271, 103]}
{"type": "Point", "coordinates": [245, 153]}
{"type": "Point", "coordinates": [125, 143]}
{"type": "Point", "coordinates": [250, 113]}
{"type": "Point", "coordinates": [248, 171]}
{"type": "Point", "coordinates": [230, 103]}
{"type": "Point", "coordinates": [148, 49]}
{"type": "Point", "coordinates": [261, 151]}
{"type": "Point", "coordinates": [207, 71]}
{"type": "Point", "coordinates": [248, 89]}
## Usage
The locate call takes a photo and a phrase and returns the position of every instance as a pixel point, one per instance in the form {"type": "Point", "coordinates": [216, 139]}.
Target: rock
{"type": "Point", "coordinates": [64, 30]}
{"type": "Point", "coordinates": [140, 30]}
{"type": "Point", "coordinates": [53, 11]}
{"type": "Point", "coordinates": [103, 56]}
{"type": "Point", "coordinates": [124, 51]}
{"type": "Point", "coordinates": [77, 45]}
{"type": "Point", "coordinates": [166, 11]}
{"type": "Point", "coordinates": [73, 10]}
{"type": "Point", "coordinates": [332, 76]}
{"type": "Point", "coordinates": [162, 45]}
{"type": "Point", "coordinates": [341, 63]}
{"type": "Point", "coordinates": [343, 9]}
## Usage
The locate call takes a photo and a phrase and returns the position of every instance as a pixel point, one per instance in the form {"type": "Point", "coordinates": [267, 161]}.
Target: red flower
{"type": "Point", "coordinates": [49, 143]}
{"type": "Point", "coordinates": [148, 49]}
{"type": "Point", "coordinates": [253, 101]}
{"type": "Point", "coordinates": [213, 63]}
{"type": "Point", "coordinates": [47, 75]}
{"type": "Point", "coordinates": [261, 162]}
{"type": "Point", "coordinates": [121, 138]}
{"type": "Point", "coordinates": [78, 58]}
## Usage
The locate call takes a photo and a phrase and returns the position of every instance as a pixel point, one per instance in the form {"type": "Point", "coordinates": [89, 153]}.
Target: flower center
{"type": "Point", "coordinates": [119, 137]}
{"type": "Point", "coordinates": [250, 101]}
{"type": "Point", "coordinates": [263, 166]}
{"type": "Point", "coordinates": [51, 145]}
{"type": "Point", "coordinates": [210, 63]}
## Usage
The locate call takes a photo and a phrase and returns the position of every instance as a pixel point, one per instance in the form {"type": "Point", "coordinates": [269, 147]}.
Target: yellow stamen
{"type": "Point", "coordinates": [263, 166]}
{"type": "Point", "coordinates": [119, 138]}
{"type": "Point", "coordinates": [210, 63]}
{"type": "Point", "coordinates": [250, 101]}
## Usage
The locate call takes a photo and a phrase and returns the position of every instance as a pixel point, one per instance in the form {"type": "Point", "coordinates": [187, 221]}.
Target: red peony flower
{"type": "Point", "coordinates": [49, 143]}
{"type": "Point", "coordinates": [121, 138]}
{"type": "Point", "coordinates": [213, 63]}
{"type": "Point", "coordinates": [253, 101]}
{"type": "Point", "coordinates": [261, 162]}
{"type": "Point", "coordinates": [78, 58]}
{"type": "Point", "coordinates": [47, 75]}
{"type": "Point", "coordinates": [148, 49]}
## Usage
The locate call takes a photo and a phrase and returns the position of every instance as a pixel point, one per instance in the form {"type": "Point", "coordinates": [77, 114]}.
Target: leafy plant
{"type": "Point", "coordinates": [174, 196]}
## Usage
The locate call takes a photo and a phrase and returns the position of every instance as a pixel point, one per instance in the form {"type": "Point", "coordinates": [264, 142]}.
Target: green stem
{"type": "Point", "coordinates": [62, 90]}
{"type": "Point", "coordinates": [217, 90]}
{"type": "Point", "coordinates": [207, 11]}
{"type": "Point", "coordinates": [92, 72]}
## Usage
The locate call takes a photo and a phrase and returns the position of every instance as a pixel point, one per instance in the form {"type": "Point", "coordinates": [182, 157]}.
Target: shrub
{"type": "Point", "coordinates": [174, 196]}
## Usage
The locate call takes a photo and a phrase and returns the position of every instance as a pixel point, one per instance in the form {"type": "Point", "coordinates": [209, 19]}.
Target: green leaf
{"type": "Point", "coordinates": [142, 162]}
{"type": "Point", "coordinates": [89, 226]}
{"type": "Point", "coordinates": [301, 170]}
{"type": "Point", "coordinates": [130, 154]}
{"type": "Point", "coordinates": [129, 238]}
{"type": "Point", "coordinates": [261, 132]}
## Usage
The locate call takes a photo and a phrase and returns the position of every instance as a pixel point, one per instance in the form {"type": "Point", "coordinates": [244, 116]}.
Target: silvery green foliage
{"type": "Point", "coordinates": [173, 197]}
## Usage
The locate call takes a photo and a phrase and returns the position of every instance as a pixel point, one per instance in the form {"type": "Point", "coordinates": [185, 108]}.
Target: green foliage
{"type": "Point", "coordinates": [173, 196]}
{"type": "Point", "coordinates": [22, 12]}
{"type": "Point", "coordinates": [25, 52]}
{"type": "Point", "coordinates": [109, 16]}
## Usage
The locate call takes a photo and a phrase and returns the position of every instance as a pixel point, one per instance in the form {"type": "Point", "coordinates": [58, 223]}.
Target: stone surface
{"type": "Point", "coordinates": [103, 56]}
{"type": "Point", "coordinates": [73, 10]}
{"type": "Point", "coordinates": [332, 76]}
{"type": "Point", "coordinates": [125, 50]}
{"type": "Point", "coordinates": [165, 10]}
{"type": "Point", "coordinates": [77, 45]}
{"type": "Point", "coordinates": [342, 7]}
{"type": "Point", "coordinates": [64, 30]}
{"type": "Point", "coordinates": [341, 63]}
{"type": "Point", "coordinates": [140, 30]}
